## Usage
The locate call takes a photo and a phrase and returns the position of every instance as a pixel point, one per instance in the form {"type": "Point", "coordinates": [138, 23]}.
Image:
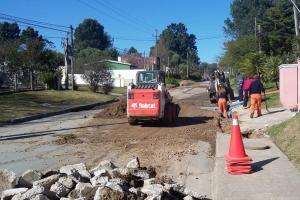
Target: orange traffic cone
{"type": "Point", "coordinates": [237, 161]}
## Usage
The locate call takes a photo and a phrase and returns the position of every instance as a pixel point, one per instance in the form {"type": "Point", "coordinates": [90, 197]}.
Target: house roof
{"type": "Point", "coordinates": [119, 65]}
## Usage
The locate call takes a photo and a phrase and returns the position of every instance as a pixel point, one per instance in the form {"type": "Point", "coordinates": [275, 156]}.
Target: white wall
{"type": "Point", "coordinates": [121, 78]}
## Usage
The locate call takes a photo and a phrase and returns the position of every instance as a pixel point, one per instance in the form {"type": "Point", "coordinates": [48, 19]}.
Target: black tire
{"type": "Point", "coordinates": [132, 121]}
{"type": "Point", "coordinates": [168, 118]}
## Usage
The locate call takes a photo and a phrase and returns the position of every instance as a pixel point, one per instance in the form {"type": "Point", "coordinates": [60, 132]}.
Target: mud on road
{"type": "Point", "coordinates": [153, 143]}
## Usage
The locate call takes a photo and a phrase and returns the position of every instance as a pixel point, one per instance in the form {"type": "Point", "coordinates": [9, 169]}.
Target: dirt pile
{"type": "Point", "coordinates": [114, 110]}
{"type": "Point", "coordinates": [67, 139]}
{"type": "Point", "coordinates": [105, 181]}
{"type": "Point", "coordinates": [186, 83]}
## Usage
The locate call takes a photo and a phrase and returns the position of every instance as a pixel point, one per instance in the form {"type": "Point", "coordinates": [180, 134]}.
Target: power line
{"type": "Point", "coordinates": [209, 38]}
{"type": "Point", "coordinates": [152, 40]}
{"type": "Point", "coordinates": [127, 16]}
{"type": "Point", "coordinates": [141, 19]}
{"type": "Point", "coordinates": [34, 21]}
{"type": "Point", "coordinates": [105, 13]}
{"type": "Point", "coordinates": [133, 39]}
{"type": "Point", "coordinates": [31, 24]}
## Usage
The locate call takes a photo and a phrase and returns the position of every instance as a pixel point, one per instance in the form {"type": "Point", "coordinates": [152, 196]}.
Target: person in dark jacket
{"type": "Point", "coordinates": [222, 101]}
{"type": "Point", "coordinates": [246, 87]}
{"type": "Point", "coordinates": [256, 88]}
{"type": "Point", "coordinates": [240, 81]}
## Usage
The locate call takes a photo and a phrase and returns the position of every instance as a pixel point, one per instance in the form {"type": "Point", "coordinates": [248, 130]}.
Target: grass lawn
{"type": "Point", "coordinates": [119, 90]}
{"type": "Point", "coordinates": [36, 102]}
{"type": "Point", "coordinates": [273, 99]}
{"type": "Point", "coordinates": [287, 137]}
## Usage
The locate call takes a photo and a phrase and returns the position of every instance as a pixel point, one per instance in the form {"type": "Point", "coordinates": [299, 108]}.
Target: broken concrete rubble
{"type": "Point", "coordinates": [133, 164]}
{"type": "Point", "coordinates": [8, 194]}
{"type": "Point", "coordinates": [28, 177]}
{"type": "Point", "coordinates": [104, 182]}
{"type": "Point", "coordinates": [8, 179]}
{"type": "Point", "coordinates": [80, 168]}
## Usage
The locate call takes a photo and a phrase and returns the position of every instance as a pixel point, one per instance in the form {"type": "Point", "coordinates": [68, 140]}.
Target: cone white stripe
{"type": "Point", "coordinates": [235, 122]}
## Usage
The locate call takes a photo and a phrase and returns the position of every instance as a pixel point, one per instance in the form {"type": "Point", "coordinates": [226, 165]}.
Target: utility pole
{"type": "Point", "coordinates": [168, 63]}
{"type": "Point", "coordinates": [144, 60]}
{"type": "Point", "coordinates": [257, 34]}
{"type": "Point", "coordinates": [296, 26]}
{"type": "Point", "coordinates": [156, 49]}
{"type": "Point", "coordinates": [66, 51]}
{"type": "Point", "coordinates": [259, 39]}
{"type": "Point", "coordinates": [296, 11]}
{"type": "Point", "coordinates": [255, 28]}
{"type": "Point", "coordinates": [187, 64]}
{"type": "Point", "coordinates": [72, 56]}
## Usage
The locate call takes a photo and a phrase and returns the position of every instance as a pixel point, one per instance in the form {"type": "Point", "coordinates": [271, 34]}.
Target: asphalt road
{"type": "Point", "coordinates": [29, 145]}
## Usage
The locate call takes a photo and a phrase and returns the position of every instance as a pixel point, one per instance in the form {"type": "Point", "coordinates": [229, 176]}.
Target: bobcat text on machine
{"type": "Point", "coordinates": [149, 99]}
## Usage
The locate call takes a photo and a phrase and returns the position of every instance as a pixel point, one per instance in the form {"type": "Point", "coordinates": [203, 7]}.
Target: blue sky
{"type": "Point", "coordinates": [204, 18]}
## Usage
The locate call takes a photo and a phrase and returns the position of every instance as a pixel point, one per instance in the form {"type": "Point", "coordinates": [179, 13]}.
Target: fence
{"type": "Point", "coordinates": [21, 80]}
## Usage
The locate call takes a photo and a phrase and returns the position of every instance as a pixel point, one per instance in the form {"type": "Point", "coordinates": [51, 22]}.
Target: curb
{"type": "Point", "coordinates": [50, 114]}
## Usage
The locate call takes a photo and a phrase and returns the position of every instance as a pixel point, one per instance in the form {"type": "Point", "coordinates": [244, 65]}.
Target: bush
{"type": "Point", "coordinates": [106, 88]}
{"type": "Point", "coordinates": [96, 75]}
{"type": "Point", "coordinates": [172, 81]}
{"type": "Point", "coordinates": [51, 79]}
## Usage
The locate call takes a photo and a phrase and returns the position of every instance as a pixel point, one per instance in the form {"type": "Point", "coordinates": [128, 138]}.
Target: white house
{"type": "Point", "coordinates": [122, 74]}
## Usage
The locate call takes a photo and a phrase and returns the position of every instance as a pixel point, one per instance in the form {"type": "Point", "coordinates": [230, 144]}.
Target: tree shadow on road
{"type": "Point", "coordinates": [181, 122]}
{"type": "Point", "coordinates": [50, 132]}
{"type": "Point", "coordinates": [258, 166]}
{"type": "Point", "coordinates": [275, 111]}
{"type": "Point", "coordinates": [188, 121]}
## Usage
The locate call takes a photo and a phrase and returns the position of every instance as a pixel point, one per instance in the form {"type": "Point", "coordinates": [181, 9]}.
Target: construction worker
{"type": "Point", "coordinates": [255, 90]}
{"type": "Point", "coordinates": [240, 81]}
{"type": "Point", "coordinates": [246, 87]}
{"type": "Point", "coordinates": [222, 101]}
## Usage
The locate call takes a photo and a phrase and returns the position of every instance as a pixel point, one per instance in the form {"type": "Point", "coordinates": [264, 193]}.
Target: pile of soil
{"type": "Point", "coordinates": [114, 110]}
{"type": "Point", "coordinates": [186, 83]}
{"type": "Point", "coordinates": [67, 139]}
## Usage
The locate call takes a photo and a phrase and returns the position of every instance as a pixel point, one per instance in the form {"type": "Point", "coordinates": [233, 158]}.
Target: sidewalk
{"type": "Point", "coordinates": [274, 175]}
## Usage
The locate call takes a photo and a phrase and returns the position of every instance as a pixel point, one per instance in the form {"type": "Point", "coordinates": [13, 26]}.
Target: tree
{"type": "Point", "coordinates": [176, 41]}
{"type": "Point", "coordinates": [243, 14]}
{"type": "Point", "coordinates": [132, 50]}
{"type": "Point", "coordinates": [9, 31]}
{"type": "Point", "coordinates": [270, 69]}
{"type": "Point", "coordinates": [278, 34]}
{"type": "Point", "coordinates": [90, 55]}
{"type": "Point", "coordinates": [12, 60]}
{"type": "Point", "coordinates": [235, 50]}
{"type": "Point", "coordinates": [35, 45]}
{"type": "Point", "coordinates": [252, 63]}
{"type": "Point", "coordinates": [90, 33]}
{"type": "Point", "coordinates": [176, 38]}
{"type": "Point", "coordinates": [97, 74]}
{"type": "Point", "coordinates": [91, 63]}
{"type": "Point", "coordinates": [49, 71]}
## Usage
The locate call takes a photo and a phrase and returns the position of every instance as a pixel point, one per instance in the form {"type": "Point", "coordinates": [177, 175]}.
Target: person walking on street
{"type": "Point", "coordinates": [256, 88]}
{"type": "Point", "coordinates": [222, 101]}
{"type": "Point", "coordinates": [246, 88]}
{"type": "Point", "coordinates": [240, 81]}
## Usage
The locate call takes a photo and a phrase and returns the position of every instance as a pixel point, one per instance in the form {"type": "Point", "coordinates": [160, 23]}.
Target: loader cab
{"type": "Point", "coordinates": [150, 77]}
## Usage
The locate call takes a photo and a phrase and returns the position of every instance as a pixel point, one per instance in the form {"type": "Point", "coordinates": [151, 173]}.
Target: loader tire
{"type": "Point", "coordinates": [168, 116]}
{"type": "Point", "coordinates": [174, 113]}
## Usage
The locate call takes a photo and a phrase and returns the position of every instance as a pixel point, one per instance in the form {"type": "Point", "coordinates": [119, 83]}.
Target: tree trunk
{"type": "Point", "coordinates": [15, 82]}
{"type": "Point", "coordinates": [31, 79]}
{"type": "Point", "coordinates": [277, 86]}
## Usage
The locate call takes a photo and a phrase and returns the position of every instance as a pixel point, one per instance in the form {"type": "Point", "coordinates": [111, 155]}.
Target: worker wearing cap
{"type": "Point", "coordinates": [222, 101]}
{"type": "Point", "coordinates": [256, 88]}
